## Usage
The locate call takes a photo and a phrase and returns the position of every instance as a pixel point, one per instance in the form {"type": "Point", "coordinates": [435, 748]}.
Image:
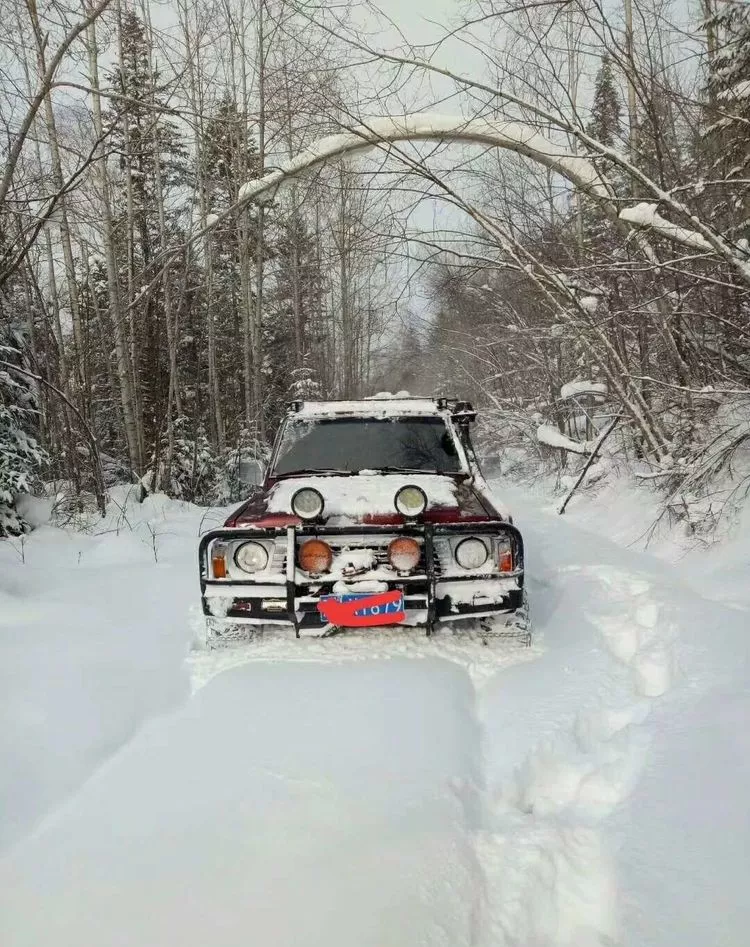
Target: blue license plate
{"type": "Point", "coordinates": [391, 608]}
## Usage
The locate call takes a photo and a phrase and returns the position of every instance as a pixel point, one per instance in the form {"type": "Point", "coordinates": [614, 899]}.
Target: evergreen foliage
{"type": "Point", "coordinates": [606, 110]}
{"type": "Point", "coordinates": [729, 115]}
{"type": "Point", "coordinates": [21, 456]}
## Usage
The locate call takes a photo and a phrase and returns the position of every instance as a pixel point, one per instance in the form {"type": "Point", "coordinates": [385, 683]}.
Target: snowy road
{"type": "Point", "coordinates": [588, 791]}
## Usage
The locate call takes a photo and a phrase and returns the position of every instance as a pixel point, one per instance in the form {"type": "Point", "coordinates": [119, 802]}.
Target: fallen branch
{"type": "Point", "coordinates": [592, 457]}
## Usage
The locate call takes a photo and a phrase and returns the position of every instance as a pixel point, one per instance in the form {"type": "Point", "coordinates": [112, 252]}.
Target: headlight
{"type": "Point", "coordinates": [403, 554]}
{"type": "Point", "coordinates": [307, 503]}
{"type": "Point", "coordinates": [471, 553]}
{"type": "Point", "coordinates": [251, 557]}
{"type": "Point", "coordinates": [411, 501]}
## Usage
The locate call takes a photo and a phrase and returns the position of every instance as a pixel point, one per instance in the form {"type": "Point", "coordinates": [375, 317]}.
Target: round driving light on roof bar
{"type": "Point", "coordinates": [307, 503]}
{"type": "Point", "coordinates": [471, 553]}
{"type": "Point", "coordinates": [251, 557]}
{"type": "Point", "coordinates": [411, 501]}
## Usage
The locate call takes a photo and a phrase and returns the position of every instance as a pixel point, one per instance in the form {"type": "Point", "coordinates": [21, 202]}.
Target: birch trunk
{"type": "Point", "coordinates": [124, 367]}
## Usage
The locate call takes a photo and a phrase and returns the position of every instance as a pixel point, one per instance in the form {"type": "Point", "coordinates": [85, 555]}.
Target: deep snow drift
{"type": "Point", "coordinates": [590, 790]}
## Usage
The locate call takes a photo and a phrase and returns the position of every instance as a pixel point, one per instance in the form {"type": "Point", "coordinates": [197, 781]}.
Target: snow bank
{"type": "Point", "coordinates": [618, 761]}
{"type": "Point", "coordinates": [93, 634]}
{"type": "Point", "coordinates": [590, 790]}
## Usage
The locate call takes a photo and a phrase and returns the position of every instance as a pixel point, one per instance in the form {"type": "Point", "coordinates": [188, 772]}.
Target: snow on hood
{"type": "Point", "coordinates": [363, 494]}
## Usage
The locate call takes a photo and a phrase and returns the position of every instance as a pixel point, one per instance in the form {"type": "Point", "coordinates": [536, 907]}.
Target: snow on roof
{"type": "Point", "coordinates": [377, 407]}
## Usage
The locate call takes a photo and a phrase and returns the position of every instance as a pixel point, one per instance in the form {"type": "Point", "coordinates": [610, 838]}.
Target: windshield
{"type": "Point", "coordinates": [352, 444]}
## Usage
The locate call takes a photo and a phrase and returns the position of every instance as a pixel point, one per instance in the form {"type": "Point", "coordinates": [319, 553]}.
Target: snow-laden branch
{"type": "Point", "coordinates": [518, 137]}
{"type": "Point", "coordinates": [513, 136]}
{"type": "Point", "coordinates": [646, 215]}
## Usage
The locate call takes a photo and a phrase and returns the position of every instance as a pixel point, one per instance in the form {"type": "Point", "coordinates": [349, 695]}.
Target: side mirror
{"type": "Point", "coordinates": [251, 473]}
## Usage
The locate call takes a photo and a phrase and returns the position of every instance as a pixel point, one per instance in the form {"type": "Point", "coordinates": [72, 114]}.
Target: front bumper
{"type": "Point", "coordinates": [431, 594]}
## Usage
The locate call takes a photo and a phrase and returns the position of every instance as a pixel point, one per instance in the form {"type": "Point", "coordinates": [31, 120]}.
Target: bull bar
{"type": "Point", "coordinates": [301, 608]}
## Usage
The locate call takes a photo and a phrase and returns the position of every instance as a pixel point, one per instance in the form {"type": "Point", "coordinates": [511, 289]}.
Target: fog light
{"type": "Point", "coordinates": [403, 554]}
{"type": "Point", "coordinates": [307, 503]}
{"type": "Point", "coordinates": [411, 501]}
{"type": "Point", "coordinates": [315, 556]}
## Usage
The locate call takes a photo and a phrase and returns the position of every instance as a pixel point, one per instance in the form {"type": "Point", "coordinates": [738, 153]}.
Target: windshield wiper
{"type": "Point", "coordinates": [406, 470]}
{"type": "Point", "coordinates": [313, 471]}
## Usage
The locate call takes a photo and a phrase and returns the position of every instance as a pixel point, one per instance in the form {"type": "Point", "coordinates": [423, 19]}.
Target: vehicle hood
{"type": "Point", "coordinates": [369, 498]}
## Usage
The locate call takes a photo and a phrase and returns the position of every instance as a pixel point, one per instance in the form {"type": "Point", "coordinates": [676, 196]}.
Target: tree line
{"type": "Point", "coordinates": [153, 323]}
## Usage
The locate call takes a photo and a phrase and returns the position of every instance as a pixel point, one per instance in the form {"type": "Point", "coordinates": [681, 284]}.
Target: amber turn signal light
{"type": "Point", "coordinates": [505, 562]}
{"type": "Point", "coordinates": [219, 563]}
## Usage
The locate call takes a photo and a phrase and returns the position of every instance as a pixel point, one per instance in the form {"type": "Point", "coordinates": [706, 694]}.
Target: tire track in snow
{"type": "Point", "coordinates": [549, 876]}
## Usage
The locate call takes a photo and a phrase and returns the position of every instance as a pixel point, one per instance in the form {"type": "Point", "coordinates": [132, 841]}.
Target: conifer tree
{"type": "Point", "coordinates": [605, 124]}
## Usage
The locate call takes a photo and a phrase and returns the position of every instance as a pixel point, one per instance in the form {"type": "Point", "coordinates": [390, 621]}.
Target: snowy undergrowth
{"type": "Point", "coordinates": [93, 636]}
{"type": "Point", "coordinates": [368, 790]}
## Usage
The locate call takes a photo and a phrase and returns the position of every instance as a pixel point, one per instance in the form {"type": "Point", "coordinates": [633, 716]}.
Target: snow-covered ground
{"type": "Point", "coordinates": [590, 790]}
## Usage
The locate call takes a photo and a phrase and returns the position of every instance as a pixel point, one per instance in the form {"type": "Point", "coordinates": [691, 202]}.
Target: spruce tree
{"type": "Point", "coordinates": [605, 124]}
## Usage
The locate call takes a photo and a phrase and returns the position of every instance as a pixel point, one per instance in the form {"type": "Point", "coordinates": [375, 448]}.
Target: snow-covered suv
{"type": "Point", "coordinates": [371, 512]}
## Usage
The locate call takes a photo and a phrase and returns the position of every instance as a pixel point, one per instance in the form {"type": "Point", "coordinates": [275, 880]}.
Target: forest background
{"type": "Point", "coordinates": [155, 320]}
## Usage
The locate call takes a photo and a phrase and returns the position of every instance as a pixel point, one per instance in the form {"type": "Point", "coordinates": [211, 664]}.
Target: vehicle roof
{"type": "Point", "coordinates": [377, 407]}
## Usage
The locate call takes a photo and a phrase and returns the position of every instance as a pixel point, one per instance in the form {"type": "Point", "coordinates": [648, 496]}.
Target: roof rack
{"type": "Point", "coordinates": [462, 411]}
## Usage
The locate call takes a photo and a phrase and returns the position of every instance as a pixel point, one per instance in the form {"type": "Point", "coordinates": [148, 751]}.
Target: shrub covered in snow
{"type": "Point", "coordinates": [21, 455]}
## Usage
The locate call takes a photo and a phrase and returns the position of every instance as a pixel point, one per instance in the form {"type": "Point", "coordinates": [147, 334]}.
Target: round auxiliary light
{"type": "Point", "coordinates": [307, 503]}
{"type": "Point", "coordinates": [403, 554]}
{"type": "Point", "coordinates": [315, 556]}
{"type": "Point", "coordinates": [411, 501]}
{"type": "Point", "coordinates": [471, 553]}
{"type": "Point", "coordinates": [251, 557]}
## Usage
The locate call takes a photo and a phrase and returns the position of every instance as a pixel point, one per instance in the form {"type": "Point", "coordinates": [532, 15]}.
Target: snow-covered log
{"type": "Point", "coordinates": [579, 389]}
{"type": "Point", "coordinates": [549, 435]}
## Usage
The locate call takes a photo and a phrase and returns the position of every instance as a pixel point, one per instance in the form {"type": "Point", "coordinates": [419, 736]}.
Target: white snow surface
{"type": "Point", "coordinates": [378, 788]}
{"type": "Point", "coordinates": [353, 497]}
